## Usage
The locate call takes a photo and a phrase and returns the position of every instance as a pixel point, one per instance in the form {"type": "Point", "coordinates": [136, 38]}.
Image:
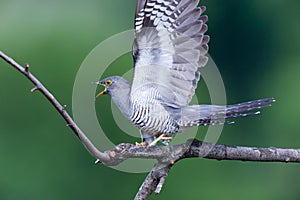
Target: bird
{"type": "Point", "coordinates": [170, 45]}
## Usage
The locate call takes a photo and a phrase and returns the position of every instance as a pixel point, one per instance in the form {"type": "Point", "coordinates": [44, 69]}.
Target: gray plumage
{"type": "Point", "coordinates": [169, 46]}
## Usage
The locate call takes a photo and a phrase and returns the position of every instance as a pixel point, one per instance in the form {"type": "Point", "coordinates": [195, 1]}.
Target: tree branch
{"type": "Point", "coordinates": [61, 109]}
{"type": "Point", "coordinates": [166, 156]}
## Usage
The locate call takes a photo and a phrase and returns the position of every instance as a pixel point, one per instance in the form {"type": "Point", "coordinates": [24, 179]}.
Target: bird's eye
{"type": "Point", "coordinates": [108, 82]}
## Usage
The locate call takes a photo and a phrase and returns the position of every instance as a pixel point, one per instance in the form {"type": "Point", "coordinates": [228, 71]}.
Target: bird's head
{"type": "Point", "coordinates": [112, 85]}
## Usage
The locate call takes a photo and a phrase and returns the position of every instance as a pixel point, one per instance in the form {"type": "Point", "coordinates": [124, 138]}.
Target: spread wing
{"type": "Point", "coordinates": [169, 46]}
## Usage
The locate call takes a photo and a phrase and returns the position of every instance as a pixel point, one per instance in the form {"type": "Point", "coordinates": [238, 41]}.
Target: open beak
{"type": "Point", "coordinates": [103, 92]}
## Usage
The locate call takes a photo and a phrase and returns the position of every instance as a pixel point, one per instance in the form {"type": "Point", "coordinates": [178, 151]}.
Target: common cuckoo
{"type": "Point", "coordinates": [170, 45]}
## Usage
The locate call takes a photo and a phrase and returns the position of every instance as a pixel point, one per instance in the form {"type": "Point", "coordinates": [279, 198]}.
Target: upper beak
{"type": "Point", "coordinates": [104, 91]}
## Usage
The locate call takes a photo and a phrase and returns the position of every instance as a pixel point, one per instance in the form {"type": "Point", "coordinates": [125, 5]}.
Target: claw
{"type": "Point", "coordinates": [142, 144]}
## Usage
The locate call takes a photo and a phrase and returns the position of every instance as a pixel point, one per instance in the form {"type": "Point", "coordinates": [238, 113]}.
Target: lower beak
{"type": "Point", "coordinates": [103, 92]}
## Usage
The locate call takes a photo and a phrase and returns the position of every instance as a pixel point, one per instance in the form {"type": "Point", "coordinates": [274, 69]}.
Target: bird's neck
{"type": "Point", "coordinates": [122, 101]}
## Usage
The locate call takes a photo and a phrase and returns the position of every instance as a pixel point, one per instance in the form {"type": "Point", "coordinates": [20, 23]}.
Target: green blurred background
{"type": "Point", "coordinates": [255, 44]}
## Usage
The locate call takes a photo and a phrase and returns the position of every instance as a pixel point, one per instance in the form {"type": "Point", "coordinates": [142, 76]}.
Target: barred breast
{"type": "Point", "coordinates": [149, 115]}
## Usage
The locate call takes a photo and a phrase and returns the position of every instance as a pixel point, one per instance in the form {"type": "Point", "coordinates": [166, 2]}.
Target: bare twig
{"type": "Point", "coordinates": [39, 86]}
{"type": "Point", "coordinates": [160, 185]}
{"type": "Point", "coordinates": [165, 155]}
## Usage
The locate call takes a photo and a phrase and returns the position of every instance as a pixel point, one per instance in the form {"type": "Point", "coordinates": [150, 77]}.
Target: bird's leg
{"type": "Point", "coordinates": [146, 139]}
{"type": "Point", "coordinates": [161, 137]}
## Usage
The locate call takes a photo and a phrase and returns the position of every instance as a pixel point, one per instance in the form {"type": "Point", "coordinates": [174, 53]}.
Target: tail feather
{"type": "Point", "coordinates": [202, 115]}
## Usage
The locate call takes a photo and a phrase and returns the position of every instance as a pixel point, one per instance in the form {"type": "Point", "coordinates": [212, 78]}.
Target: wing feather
{"type": "Point", "coordinates": [170, 45]}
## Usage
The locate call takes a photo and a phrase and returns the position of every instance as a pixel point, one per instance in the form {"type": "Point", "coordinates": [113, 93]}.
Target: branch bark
{"type": "Point", "coordinates": [166, 156]}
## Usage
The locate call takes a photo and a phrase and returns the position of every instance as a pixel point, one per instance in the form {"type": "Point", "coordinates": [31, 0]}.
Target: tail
{"type": "Point", "coordinates": [203, 115]}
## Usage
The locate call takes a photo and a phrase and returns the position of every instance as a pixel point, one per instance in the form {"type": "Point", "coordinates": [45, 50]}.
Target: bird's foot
{"type": "Point", "coordinates": [142, 144]}
{"type": "Point", "coordinates": [161, 137]}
